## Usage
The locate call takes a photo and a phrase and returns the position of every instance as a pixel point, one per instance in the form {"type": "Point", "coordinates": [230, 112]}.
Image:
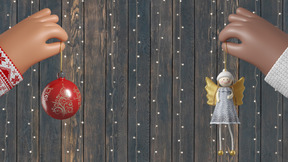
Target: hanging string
{"type": "Point", "coordinates": [225, 57]}
{"type": "Point", "coordinates": [61, 57]}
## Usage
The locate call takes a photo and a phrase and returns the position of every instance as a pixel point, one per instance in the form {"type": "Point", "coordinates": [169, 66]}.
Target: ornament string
{"type": "Point", "coordinates": [225, 57]}
{"type": "Point", "coordinates": [61, 57]}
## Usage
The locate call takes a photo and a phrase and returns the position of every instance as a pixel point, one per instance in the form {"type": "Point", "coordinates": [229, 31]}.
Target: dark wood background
{"type": "Point", "coordinates": [140, 67]}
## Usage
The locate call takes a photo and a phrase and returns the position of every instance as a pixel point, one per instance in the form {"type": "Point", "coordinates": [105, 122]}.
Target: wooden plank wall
{"type": "Point", "coordinates": [140, 66]}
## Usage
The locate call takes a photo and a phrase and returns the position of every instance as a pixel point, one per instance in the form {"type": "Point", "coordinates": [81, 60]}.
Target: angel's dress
{"type": "Point", "coordinates": [225, 111]}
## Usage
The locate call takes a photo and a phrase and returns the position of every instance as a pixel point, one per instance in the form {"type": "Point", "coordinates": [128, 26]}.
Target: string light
{"type": "Point", "coordinates": [158, 26]}
{"type": "Point", "coordinates": [81, 23]}
{"type": "Point", "coordinates": [113, 30]}
{"type": "Point", "coordinates": [257, 112]}
{"type": "Point", "coordinates": [137, 84]}
{"type": "Point", "coordinates": [77, 46]}
{"type": "Point", "coordinates": [212, 40]}
{"type": "Point", "coordinates": [278, 107]}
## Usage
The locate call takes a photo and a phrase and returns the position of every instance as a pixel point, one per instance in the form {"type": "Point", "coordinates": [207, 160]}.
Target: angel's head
{"type": "Point", "coordinates": [225, 78]}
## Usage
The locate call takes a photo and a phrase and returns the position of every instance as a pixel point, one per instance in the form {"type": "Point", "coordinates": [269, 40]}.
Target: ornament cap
{"type": "Point", "coordinates": [61, 74]}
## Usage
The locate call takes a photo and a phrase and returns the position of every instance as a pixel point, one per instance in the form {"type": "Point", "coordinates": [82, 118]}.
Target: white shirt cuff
{"type": "Point", "coordinates": [277, 77]}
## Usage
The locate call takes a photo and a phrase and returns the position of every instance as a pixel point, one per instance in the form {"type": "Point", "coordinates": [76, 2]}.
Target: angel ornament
{"type": "Point", "coordinates": [225, 96]}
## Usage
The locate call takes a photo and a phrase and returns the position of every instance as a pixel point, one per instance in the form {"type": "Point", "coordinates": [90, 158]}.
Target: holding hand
{"type": "Point", "coordinates": [230, 96]}
{"type": "Point", "coordinates": [262, 43]}
{"type": "Point", "coordinates": [25, 43]}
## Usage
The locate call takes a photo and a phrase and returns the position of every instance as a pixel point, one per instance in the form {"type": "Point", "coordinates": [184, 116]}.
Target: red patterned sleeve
{"type": "Point", "coordinates": [10, 76]}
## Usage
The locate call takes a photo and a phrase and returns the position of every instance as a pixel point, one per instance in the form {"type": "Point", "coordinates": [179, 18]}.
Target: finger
{"type": "Point", "coordinates": [231, 31]}
{"type": "Point", "coordinates": [244, 12]}
{"type": "Point", "coordinates": [52, 18]}
{"type": "Point", "coordinates": [51, 24]}
{"type": "Point", "coordinates": [54, 48]}
{"type": "Point", "coordinates": [235, 24]}
{"type": "Point", "coordinates": [41, 13]}
{"type": "Point", "coordinates": [237, 18]}
{"type": "Point", "coordinates": [56, 32]}
{"type": "Point", "coordinates": [233, 49]}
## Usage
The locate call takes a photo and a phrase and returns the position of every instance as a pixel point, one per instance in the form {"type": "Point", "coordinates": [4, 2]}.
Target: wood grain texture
{"type": "Point", "coordinates": [116, 80]}
{"type": "Point", "coordinates": [50, 128]}
{"type": "Point", "coordinates": [161, 80]}
{"type": "Point", "coordinates": [205, 65]}
{"type": "Point", "coordinates": [183, 81]}
{"type": "Point", "coordinates": [271, 101]}
{"type": "Point", "coordinates": [8, 120]}
{"type": "Point", "coordinates": [285, 100]}
{"type": "Point", "coordinates": [139, 73]}
{"type": "Point", "coordinates": [250, 128]}
{"type": "Point", "coordinates": [94, 80]}
{"type": "Point", "coordinates": [73, 67]}
{"type": "Point", "coordinates": [28, 99]}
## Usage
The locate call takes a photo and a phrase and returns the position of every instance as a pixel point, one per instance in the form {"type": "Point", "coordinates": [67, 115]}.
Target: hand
{"type": "Point", "coordinates": [262, 43]}
{"type": "Point", "coordinates": [25, 43]}
{"type": "Point", "coordinates": [229, 97]}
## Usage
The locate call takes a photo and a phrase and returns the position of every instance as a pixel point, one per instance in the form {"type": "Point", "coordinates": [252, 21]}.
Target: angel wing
{"type": "Point", "coordinates": [211, 89]}
{"type": "Point", "coordinates": [238, 89]}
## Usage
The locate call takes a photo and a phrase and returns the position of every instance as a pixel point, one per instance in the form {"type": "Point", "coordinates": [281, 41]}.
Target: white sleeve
{"type": "Point", "coordinates": [10, 76]}
{"type": "Point", "coordinates": [277, 77]}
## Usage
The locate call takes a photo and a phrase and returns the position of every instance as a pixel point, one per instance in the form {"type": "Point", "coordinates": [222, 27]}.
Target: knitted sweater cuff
{"type": "Point", "coordinates": [10, 76]}
{"type": "Point", "coordinates": [277, 77]}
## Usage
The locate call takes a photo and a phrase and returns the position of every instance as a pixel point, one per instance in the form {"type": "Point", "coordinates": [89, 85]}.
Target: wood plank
{"type": "Point", "coordinates": [139, 72]}
{"type": "Point", "coordinates": [94, 80]}
{"type": "Point", "coordinates": [205, 66]}
{"type": "Point", "coordinates": [117, 80]}
{"type": "Point", "coordinates": [183, 86]}
{"type": "Point", "coordinates": [50, 129]}
{"type": "Point", "coordinates": [8, 123]}
{"type": "Point", "coordinates": [161, 81]}
{"type": "Point", "coordinates": [284, 114]}
{"type": "Point", "coordinates": [223, 10]}
{"type": "Point", "coordinates": [271, 123]}
{"type": "Point", "coordinates": [250, 128]}
{"type": "Point", "coordinates": [72, 128]}
{"type": "Point", "coordinates": [28, 101]}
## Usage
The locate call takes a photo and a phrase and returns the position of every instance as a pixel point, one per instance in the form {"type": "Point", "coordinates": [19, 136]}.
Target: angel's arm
{"type": "Point", "coordinates": [230, 96]}
{"type": "Point", "coordinates": [217, 96]}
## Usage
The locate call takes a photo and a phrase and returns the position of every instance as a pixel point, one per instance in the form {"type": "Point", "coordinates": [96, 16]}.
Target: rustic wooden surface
{"type": "Point", "coordinates": [28, 93]}
{"type": "Point", "coordinates": [271, 122]}
{"type": "Point", "coordinates": [94, 81]}
{"type": "Point", "coordinates": [161, 81]}
{"type": "Point", "coordinates": [8, 101]}
{"type": "Point", "coordinates": [141, 66]}
{"type": "Point", "coordinates": [139, 73]}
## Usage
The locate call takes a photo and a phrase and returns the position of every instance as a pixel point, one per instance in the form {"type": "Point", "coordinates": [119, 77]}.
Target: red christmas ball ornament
{"type": "Point", "coordinates": [61, 98]}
